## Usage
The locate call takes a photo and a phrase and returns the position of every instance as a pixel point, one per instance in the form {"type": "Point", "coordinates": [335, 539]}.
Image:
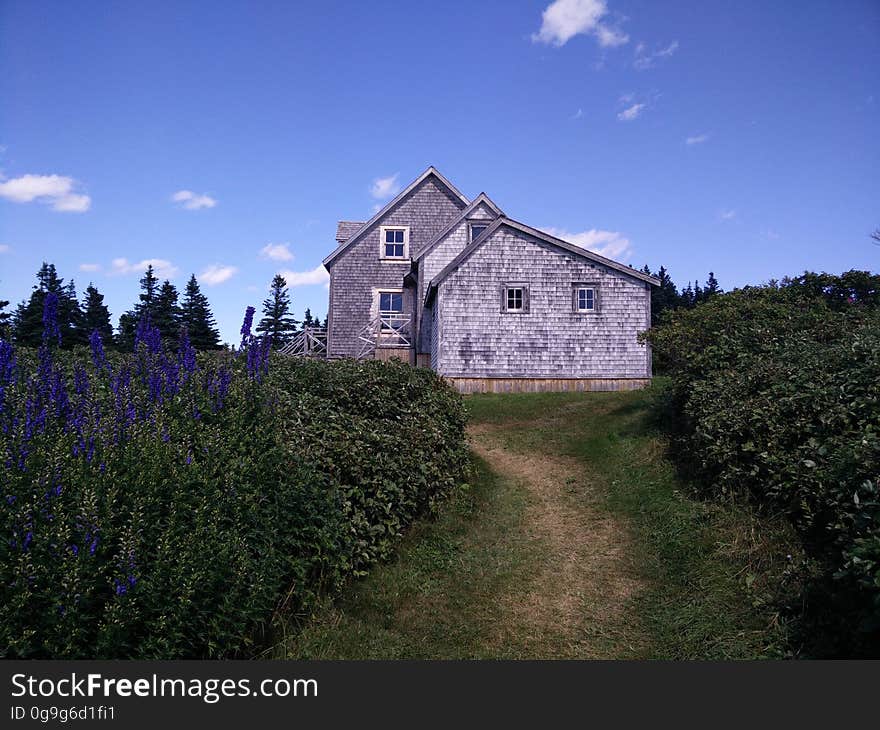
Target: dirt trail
{"type": "Point", "coordinates": [580, 593]}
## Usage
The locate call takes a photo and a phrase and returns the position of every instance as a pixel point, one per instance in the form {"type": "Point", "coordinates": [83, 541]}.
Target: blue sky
{"type": "Point", "coordinates": [218, 138]}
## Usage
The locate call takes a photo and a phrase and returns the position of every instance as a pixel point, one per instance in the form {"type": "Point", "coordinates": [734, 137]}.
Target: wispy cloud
{"type": "Point", "coordinates": [578, 114]}
{"type": "Point", "coordinates": [562, 20]}
{"type": "Point", "coordinates": [318, 275]}
{"type": "Point", "coordinates": [770, 234]}
{"type": "Point", "coordinates": [276, 252]}
{"type": "Point", "coordinates": [57, 191]}
{"type": "Point", "coordinates": [385, 187]}
{"type": "Point", "coordinates": [90, 267]}
{"type": "Point", "coordinates": [631, 112]}
{"type": "Point", "coordinates": [5, 248]}
{"type": "Point", "coordinates": [611, 244]}
{"type": "Point", "coordinates": [727, 215]}
{"type": "Point", "coordinates": [189, 200]}
{"type": "Point", "coordinates": [645, 59]}
{"type": "Point", "coordinates": [696, 139]}
{"type": "Point", "coordinates": [164, 269]}
{"type": "Point", "coordinates": [217, 274]}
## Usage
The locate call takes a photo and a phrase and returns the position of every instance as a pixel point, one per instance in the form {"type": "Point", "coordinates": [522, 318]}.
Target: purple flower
{"type": "Point", "coordinates": [50, 319]}
{"type": "Point", "coordinates": [97, 345]}
{"type": "Point", "coordinates": [149, 335]}
{"type": "Point", "coordinates": [186, 354]}
{"type": "Point", "coordinates": [246, 327]}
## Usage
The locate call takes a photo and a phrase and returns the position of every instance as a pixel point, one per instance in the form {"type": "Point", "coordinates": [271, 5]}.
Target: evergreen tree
{"type": "Point", "coordinates": [166, 314]}
{"type": "Point", "coordinates": [145, 305]}
{"type": "Point", "coordinates": [70, 318]}
{"type": "Point", "coordinates": [149, 293]}
{"type": "Point", "coordinates": [96, 316]}
{"type": "Point", "coordinates": [663, 297]}
{"type": "Point", "coordinates": [27, 326]}
{"type": "Point", "coordinates": [699, 296]}
{"type": "Point", "coordinates": [308, 321]}
{"type": "Point", "coordinates": [5, 320]}
{"type": "Point", "coordinates": [686, 299]}
{"type": "Point", "coordinates": [276, 319]}
{"type": "Point", "coordinates": [196, 316]}
{"type": "Point", "coordinates": [712, 287]}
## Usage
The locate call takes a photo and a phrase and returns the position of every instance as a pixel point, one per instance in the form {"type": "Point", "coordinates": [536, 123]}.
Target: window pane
{"type": "Point", "coordinates": [397, 302]}
{"type": "Point", "coordinates": [514, 298]}
{"type": "Point", "coordinates": [389, 236]}
{"type": "Point", "coordinates": [384, 302]}
{"type": "Point", "coordinates": [398, 250]}
{"type": "Point", "coordinates": [476, 231]}
{"type": "Point", "coordinates": [398, 236]}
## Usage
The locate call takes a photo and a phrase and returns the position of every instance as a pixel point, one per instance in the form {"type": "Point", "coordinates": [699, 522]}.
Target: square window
{"type": "Point", "coordinates": [390, 302]}
{"type": "Point", "coordinates": [585, 299]}
{"type": "Point", "coordinates": [394, 243]}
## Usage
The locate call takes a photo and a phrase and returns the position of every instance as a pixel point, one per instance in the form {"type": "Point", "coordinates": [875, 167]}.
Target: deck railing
{"type": "Point", "coordinates": [385, 330]}
{"type": "Point", "coordinates": [309, 342]}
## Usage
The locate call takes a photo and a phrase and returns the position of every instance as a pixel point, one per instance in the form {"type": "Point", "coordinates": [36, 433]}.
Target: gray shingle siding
{"type": "Point", "coordinates": [478, 339]}
{"type": "Point", "coordinates": [434, 262]}
{"type": "Point", "coordinates": [358, 271]}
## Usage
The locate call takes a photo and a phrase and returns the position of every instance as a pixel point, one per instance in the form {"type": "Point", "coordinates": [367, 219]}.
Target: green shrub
{"type": "Point", "coordinates": [776, 396]}
{"type": "Point", "coordinates": [141, 520]}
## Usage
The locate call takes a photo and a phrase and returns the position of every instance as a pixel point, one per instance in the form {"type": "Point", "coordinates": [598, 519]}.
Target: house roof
{"type": "Point", "coordinates": [483, 199]}
{"type": "Point", "coordinates": [346, 229]}
{"type": "Point", "coordinates": [541, 236]}
{"type": "Point", "coordinates": [430, 172]}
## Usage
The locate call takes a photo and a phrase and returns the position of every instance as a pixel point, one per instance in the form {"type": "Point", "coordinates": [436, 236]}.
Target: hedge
{"type": "Point", "coordinates": [776, 396]}
{"type": "Point", "coordinates": [166, 505]}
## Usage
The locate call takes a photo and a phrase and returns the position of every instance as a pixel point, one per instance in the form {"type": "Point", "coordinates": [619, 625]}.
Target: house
{"type": "Point", "coordinates": [488, 302]}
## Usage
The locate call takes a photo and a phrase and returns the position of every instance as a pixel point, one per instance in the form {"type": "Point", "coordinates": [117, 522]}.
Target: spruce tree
{"type": "Point", "coordinates": [96, 316]}
{"type": "Point", "coordinates": [5, 320]}
{"type": "Point", "coordinates": [196, 316]}
{"type": "Point", "coordinates": [145, 306]}
{"type": "Point", "coordinates": [712, 287]}
{"type": "Point", "coordinates": [308, 321]}
{"type": "Point", "coordinates": [276, 319]}
{"type": "Point", "coordinates": [166, 314]}
{"type": "Point", "coordinates": [70, 318]}
{"type": "Point", "coordinates": [27, 326]}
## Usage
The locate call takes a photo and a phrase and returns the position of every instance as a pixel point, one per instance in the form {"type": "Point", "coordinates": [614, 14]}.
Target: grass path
{"type": "Point", "coordinates": [573, 540]}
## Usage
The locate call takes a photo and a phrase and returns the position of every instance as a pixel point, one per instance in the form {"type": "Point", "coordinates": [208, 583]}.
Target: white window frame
{"type": "Point", "coordinates": [524, 288]}
{"type": "Point", "coordinates": [576, 298]}
{"type": "Point", "coordinates": [471, 224]}
{"type": "Point", "coordinates": [382, 230]}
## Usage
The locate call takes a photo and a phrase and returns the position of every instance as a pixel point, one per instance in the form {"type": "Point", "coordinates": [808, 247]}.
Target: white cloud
{"type": "Point", "coordinates": [727, 215]}
{"type": "Point", "coordinates": [645, 59]}
{"type": "Point", "coordinates": [54, 190]}
{"type": "Point", "coordinates": [611, 244]}
{"type": "Point", "coordinates": [385, 187]}
{"type": "Point", "coordinates": [578, 114]}
{"type": "Point", "coordinates": [4, 248]}
{"type": "Point", "coordinates": [161, 267]}
{"type": "Point", "coordinates": [631, 112]}
{"type": "Point", "coordinates": [697, 139]}
{"type": "Point", "coordinates": [564, 19]}
{"type": "Point", "coordinates": [90, 267]}
{"type": "Point", "coordinates": [217, 274]}
{"type": "Point", "coordinates": [318, 275]}
{"type": "Point", "coordinates": [192, 201]}
{"type": "Point", "coordinates": [276, 252]}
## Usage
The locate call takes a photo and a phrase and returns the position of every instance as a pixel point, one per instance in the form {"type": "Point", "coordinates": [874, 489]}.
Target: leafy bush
{"type": "Point", "coordinates": [161, 505]}
{"type": "Point", "coordinates": [776, 395]}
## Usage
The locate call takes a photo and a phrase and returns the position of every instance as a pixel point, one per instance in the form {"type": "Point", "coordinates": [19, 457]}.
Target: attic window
{"type": "Point", "coordinates": [476, 229]}
{"type": "Point", "coordinates": [394, 242]}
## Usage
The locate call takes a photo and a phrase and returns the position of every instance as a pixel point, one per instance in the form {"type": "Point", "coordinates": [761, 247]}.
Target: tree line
{"type": "Point", "coordinates": [160, 302]}
{"type": "Point", "coordinates": [668, 297]}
